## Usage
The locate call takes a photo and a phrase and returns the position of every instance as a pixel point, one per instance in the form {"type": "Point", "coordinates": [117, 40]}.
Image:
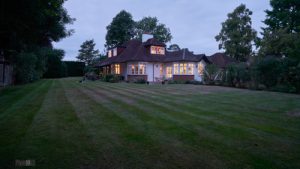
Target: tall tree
{"type": "Point", "coordinates": [27, 28]}
{"type": "Point", "coordinates": [87, 53]}
{"type": "Point", "coordinates": [281, 37]}
{"type": "Point", "coordinates": [120, 29]}
{"type": "Point", "coordinates": [151, 25]}
{"type": "Point", "coordinates": [237, 36]}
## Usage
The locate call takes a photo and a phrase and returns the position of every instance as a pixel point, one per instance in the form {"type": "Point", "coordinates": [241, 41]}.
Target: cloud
{"type": "Point", "coordinates": [193, 23]}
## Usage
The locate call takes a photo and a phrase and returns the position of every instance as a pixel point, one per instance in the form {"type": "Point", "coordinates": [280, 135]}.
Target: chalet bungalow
{"type": "Point", "coordinates": [149, 60]}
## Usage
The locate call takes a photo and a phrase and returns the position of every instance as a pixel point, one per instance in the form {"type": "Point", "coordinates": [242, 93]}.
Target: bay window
{"type": "Point", "coordinates": [137, 69]}
{"type": "Point", "coordinates": [184, 69]}
{"type": "Point", "coordinates": [176, 69]}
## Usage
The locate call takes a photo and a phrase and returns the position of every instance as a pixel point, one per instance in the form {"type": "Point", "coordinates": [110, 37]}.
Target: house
{"type": "Point", "coordinates": [149, 60]}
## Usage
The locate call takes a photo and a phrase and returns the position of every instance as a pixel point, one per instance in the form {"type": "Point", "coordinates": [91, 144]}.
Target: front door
{"type": "Point", "coordinates": [158, 72]}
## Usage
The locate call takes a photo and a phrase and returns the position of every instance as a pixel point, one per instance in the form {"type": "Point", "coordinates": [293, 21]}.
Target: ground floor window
{"type": "Point", "coordinates": [200, 68]}
{"type": "Point", "coordinates": [137, 69]}
{"type": "Point", "coordinates": [117, 69]}
{"type": "Point", "coordinates": [169, 72]}
{"type": "Point", "coordinates": [184, 68]}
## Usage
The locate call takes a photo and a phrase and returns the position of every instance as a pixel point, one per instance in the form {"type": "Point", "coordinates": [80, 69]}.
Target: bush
{"type": "Point", "coordinates": [278, 74]}
{"type": "Point", "coordinates": [237, 75]}
{"type": "Point", "coordinates": [91, 76]}
{"type": "Point", "coordinates": [112, 78]}
{"type": "Point", "coordinates": [210, 74]}
{"type": "Point", "coordinates": [140, 81]}
{"type": "Point", "coordinates": [25, 67]}
{"type": "Point", "coordinates": [194, 82]}
{"type": "Point", "coordinates": [55, 67]}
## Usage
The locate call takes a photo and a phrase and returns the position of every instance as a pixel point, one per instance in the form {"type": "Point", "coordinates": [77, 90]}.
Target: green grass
{"type": "Point", "coordinates": [65, 124]}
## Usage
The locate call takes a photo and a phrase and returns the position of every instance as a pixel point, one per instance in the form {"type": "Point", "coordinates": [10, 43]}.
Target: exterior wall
{"type": "Point", "coordinates": [123, 71]}
{"type": "Point", "coordinates": [132, 78]}
{"type": "Point", "coordinates": [153, 71]}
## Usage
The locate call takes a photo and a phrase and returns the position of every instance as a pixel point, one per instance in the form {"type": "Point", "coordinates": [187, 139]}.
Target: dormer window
{"type": "Point", "coordinates": [157, 50]}
{"type": "Point", "coordinates": [109, 53]}
{"type": "Point", "coordinates": [115, 51]}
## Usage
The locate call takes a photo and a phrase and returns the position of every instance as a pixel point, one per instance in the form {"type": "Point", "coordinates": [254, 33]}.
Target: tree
{"type": "Point", "coordinates": [120, 29]}
{"type": "Point", "coordinates": [27, 30]}
{"type": "Point", "coordinates": [87, 53]}
{"type": "Point", "coordinates": [237, 35]}
{"type": "Point", "coordinates": [174, 47]}
{"type": "Point", "coordinates": [151, 25]}
{"type": "Point", "coordinates": [56, 68]}
{"type": "Point", "coordinates": [281, 37]}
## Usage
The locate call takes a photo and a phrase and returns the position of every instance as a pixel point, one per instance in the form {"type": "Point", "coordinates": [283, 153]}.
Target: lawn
{"type": "Point", "coordinates": [62, 123]}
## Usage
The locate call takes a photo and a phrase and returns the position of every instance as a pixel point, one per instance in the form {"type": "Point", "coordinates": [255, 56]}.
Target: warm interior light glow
{"type": "Point", "coordinates": [157, 50]}
{"type": "Point", "coordinates": [117, 69]}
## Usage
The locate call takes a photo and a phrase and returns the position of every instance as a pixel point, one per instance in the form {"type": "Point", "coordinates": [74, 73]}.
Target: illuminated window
{"type": "Point", "coordinates": [115, 51]}
{"type": "Point", "coordinates": [130, 69]}
{"type": "Point", "coordinates": [169, 72]}
{"type": "Point", "coordinates": [109, 53]}
{"type": "Point", "coordinates": [176, 69]}
{"type": "Point", "coordinates": [200, 68]}
{"type": "Point", "coordinates": [137, 69]}
{"type": "Point", "coordinates": [157, 50]}
{"type": "Point", "coordinates": [142, 68]}
{"type": "Point", "coordinates": [184, 69]}
{"type": "Point", "coordinates": [190, 69]}
{"type": "Point", "coordinates": [117, 69]}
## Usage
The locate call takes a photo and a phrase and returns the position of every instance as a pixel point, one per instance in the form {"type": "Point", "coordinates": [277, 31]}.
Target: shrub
{"type": "Point", "coordinates": [268, 72]}
{"type": "Point", "coordinates": [112, 78]}
{"type": "Point", "coordinates": [55, 67]}
{"type": "Point", "coordinates": [25, 68]}
{"type": "Point", "coordinates": [140, 81]}
{"type": "Point", "coordinates": [211, 73]}
{"type": "Point", "coordinates": [278, 74]}
{"type": "Point", "coordinates": [237, 75]}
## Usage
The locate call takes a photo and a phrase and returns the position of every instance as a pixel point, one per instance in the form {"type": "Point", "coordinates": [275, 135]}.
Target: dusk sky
{"type": "Point", "coordinates": [193, 23]}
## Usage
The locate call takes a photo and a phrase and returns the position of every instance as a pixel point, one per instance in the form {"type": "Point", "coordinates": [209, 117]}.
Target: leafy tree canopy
{"type": "Point", "coordinates": [87, 53]}
{"type": "Point", "coordinates": [237, 35]}
{"type": "Point", "coordinates": [151, 25]}
{"type": "Point", "coordinates": [124, 28]}
{"type": "Point", "coordinates": [120, 30]}
{"type": "Point", "coordinates": [281, 37]}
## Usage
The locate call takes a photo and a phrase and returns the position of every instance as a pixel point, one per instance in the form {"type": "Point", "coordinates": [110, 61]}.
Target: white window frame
{"type": "Point", "coordinates": [137, 68]}
{"type": "Point", "coordinates": [183, 68]}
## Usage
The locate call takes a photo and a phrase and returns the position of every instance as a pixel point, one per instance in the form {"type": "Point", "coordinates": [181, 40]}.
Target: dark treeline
{"type": "Point", "coordinates": [275, 65]}
{"type": "Point", "coordinates": [28, 28]}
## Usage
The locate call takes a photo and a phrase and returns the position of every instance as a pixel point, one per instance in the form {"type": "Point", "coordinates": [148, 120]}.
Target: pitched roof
{"type": "Point", "coordinates": [153, 42]}
{"type": "Point", "coordinates": [137, 51]}
{"type": "Point", "coordinates": [221, 60]}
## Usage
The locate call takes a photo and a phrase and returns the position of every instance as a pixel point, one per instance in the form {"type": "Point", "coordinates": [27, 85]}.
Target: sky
{"type": "Point", "coordinates": [193, 23]}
